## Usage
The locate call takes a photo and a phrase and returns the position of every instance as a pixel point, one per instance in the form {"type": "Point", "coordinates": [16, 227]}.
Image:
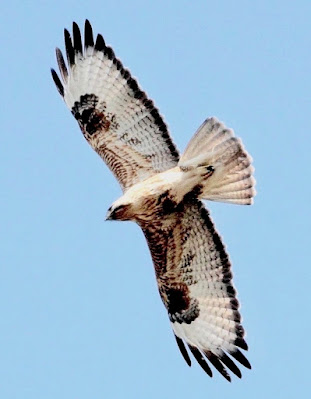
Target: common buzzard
{"type": "Point", "coordinates": [162, 193]}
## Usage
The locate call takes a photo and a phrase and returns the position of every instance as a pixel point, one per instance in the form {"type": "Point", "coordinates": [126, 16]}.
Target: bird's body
{"type": "Point", "coordinates": [162, 192]}
{"type": "Point", "coordinates": [157, 198]}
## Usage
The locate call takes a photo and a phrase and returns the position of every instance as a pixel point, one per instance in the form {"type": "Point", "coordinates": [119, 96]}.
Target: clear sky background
{"type": "Point", "coordinates": [80, 315]}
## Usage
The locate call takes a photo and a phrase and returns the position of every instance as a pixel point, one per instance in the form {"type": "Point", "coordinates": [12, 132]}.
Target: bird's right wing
{"type": "Point", "coordinates": [116, 117]}
{"type": "Point", "coordinates": [195, 283]}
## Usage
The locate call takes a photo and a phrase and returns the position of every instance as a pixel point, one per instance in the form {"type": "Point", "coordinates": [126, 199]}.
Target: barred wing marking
{"type": "Point", "coordinates": [195, 283]}
{"type": "Point", "coordinates": [117, 119]}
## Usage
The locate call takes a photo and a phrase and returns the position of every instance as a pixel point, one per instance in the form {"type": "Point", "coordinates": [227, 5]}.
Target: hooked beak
{"type": "Point", "coordinates": [110, 214]}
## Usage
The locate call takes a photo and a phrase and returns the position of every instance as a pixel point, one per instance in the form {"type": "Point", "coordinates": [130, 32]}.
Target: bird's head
{"type": "Point", "coordinates": [135, 204]}
{"type": "Point", "coordinates": [120, 210]}
{"type": "Point", "coordinates": [139, 203]}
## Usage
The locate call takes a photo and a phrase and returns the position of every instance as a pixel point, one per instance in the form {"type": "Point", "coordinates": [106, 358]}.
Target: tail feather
{"type": "Point", "coordinates": [236, 177]}
{"type": "Point", "coordinates": [233, 195]}
{"type": "Point", "coordinates": [240, 185]}
{"type": "Point", "coordinates": [215, 148]}
{"type": "Point", "coordinates": [209, 134]}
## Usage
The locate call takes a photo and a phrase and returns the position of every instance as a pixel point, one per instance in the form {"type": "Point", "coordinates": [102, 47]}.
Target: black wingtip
{"type": "Point", "coordinates": [110, 53]}
{"type": "Point", "coordinates": [217, 364]}
{"type": "Point", "coordinates": [183, 350]}
{"type": "Point", "coordinates": [57, 82]}
{"type": "Point", "coordinates": [238, 355]}
{"type": "Point", "coordinates": [77, 42]}
{"type": "Point", "coordinates": [241, 343]}
{"type": "Point", "coordinates": [200, 359]}
{"type": "Point", "coordinates": [230, 364]}
{"type": "Point", "coordinates": [100, 43]}
{"type": "Point", "coordinates": [61, 64]}
{"type": "Point", "coordinates": [88, 34]}
{"type": "Point", "coordinates": [69, 48]}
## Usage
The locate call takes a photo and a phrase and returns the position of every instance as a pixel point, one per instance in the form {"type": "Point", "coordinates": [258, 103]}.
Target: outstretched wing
{"type": "Point", "coordinates": [195, 283]}
{"type": "Point", "coordinates": [116, 117]}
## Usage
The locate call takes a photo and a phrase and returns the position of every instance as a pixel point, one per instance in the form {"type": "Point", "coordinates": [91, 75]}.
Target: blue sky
{"type": "Point", "coordinates": [80, 313]}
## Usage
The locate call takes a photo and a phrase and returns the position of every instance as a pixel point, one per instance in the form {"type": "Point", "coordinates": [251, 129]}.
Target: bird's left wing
{"type": "Point", "coordinates": [195, 283]}
{"type": "Point", "coordinates": [116, 117]}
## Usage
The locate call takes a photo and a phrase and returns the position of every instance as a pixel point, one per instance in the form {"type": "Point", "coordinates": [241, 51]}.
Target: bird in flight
{"type": "Point", "coordinates": [162, 193]}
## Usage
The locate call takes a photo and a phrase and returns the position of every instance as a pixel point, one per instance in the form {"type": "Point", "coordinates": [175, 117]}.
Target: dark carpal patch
{"type": "Point", "coordinates": [92, 115]}
{"type": "Point", "coordinates": [181, 308]}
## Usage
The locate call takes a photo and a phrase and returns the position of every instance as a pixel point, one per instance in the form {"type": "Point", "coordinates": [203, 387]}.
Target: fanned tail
{"type": "Point", "coordinates": [221, 164]}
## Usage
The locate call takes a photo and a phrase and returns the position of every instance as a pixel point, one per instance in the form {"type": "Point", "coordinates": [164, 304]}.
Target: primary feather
{"type": "Point", "coordinates": [162, 194]}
